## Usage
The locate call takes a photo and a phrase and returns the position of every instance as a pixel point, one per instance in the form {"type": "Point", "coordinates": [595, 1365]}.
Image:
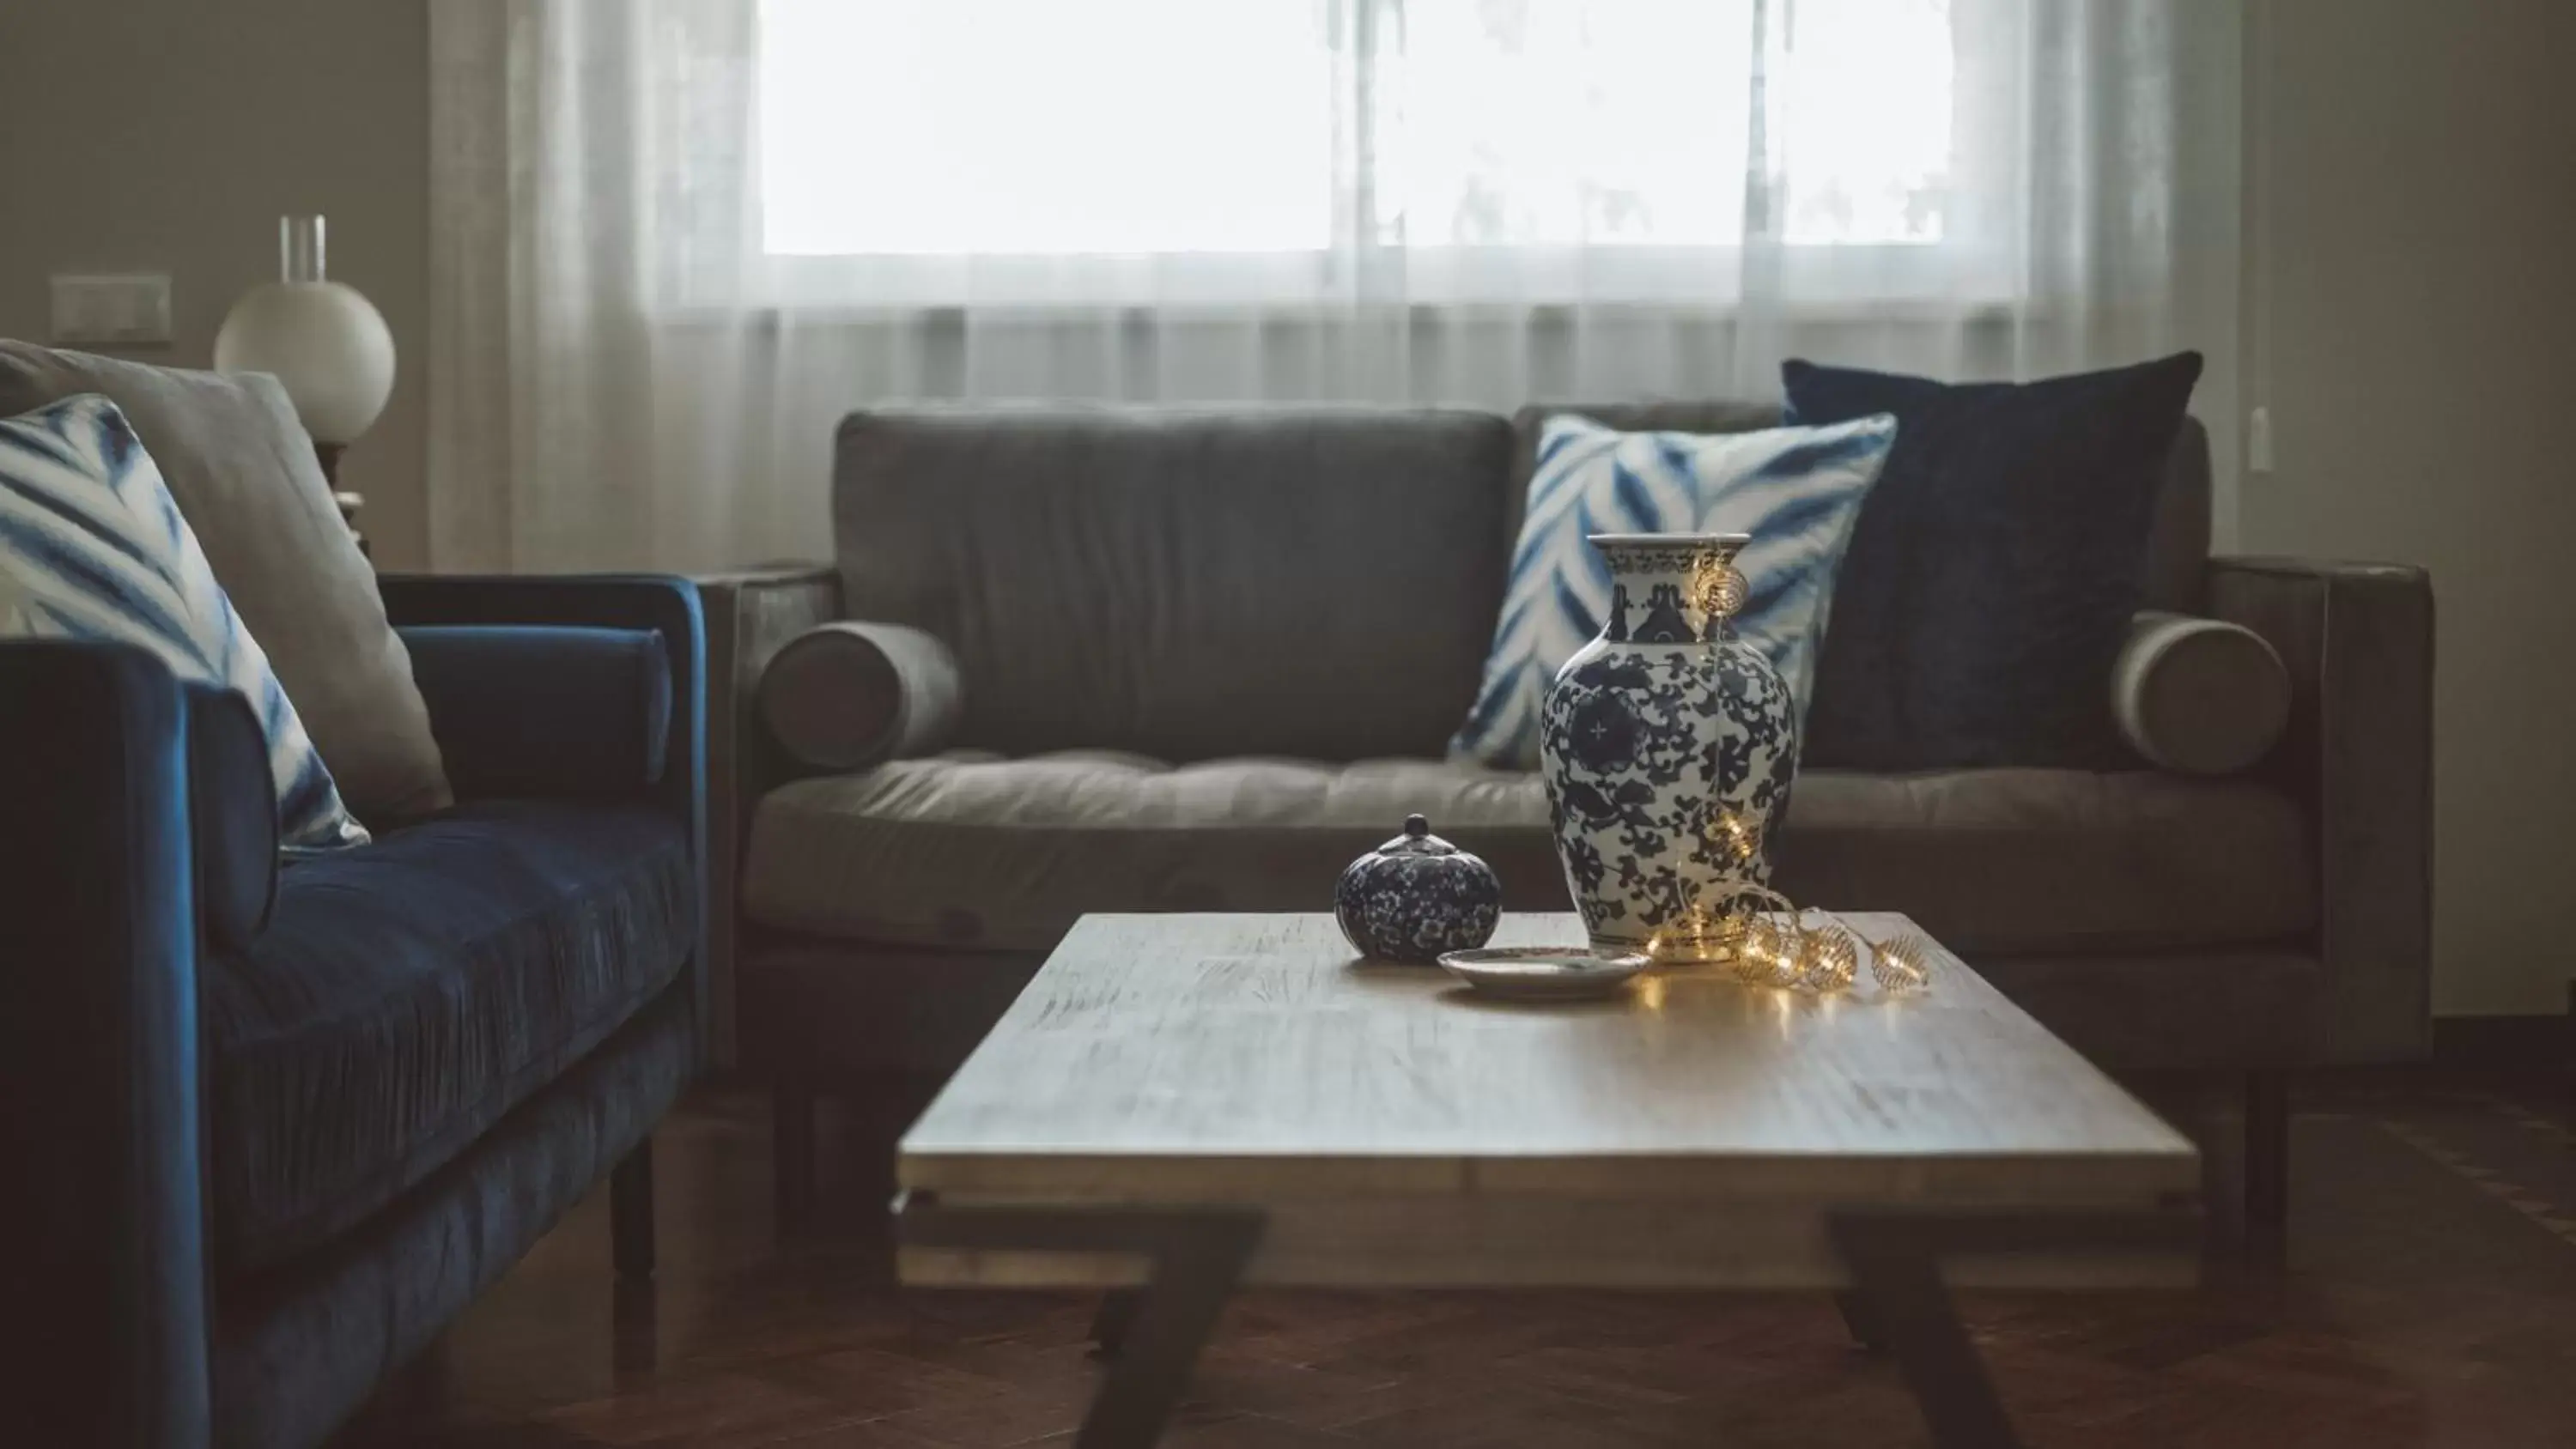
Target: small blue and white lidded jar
{"type": "Point", "coordinates": [1417, 896]}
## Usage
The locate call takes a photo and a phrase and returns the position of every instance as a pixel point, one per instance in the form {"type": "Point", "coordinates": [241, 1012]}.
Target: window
{"type": "Point", "coordinates": [926, 151]}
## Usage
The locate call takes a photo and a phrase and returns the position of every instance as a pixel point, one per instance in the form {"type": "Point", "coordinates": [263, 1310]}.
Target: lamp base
{"type": "Point", "coordinates": [347, 503]}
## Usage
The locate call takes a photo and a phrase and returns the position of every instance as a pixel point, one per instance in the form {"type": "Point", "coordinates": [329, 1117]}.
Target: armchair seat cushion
{"type": "Point", "coordinates": [969, 849]}
{"type": "Point", "coordinates": [409, 993]}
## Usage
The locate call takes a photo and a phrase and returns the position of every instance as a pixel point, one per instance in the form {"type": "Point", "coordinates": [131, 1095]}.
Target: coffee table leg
{"type": "Point", "coordinates": [1897, 1296]}
{"type": "Point", "coordinates": [1109, 1324]}
{"type": "Point", "coordinates": [1861, 1321]}
{"type": "Point", "coordinates": [1197, 1256]}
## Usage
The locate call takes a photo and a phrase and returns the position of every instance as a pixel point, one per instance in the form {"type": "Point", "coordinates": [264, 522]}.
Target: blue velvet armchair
{"type": "Point", "coordinates": [272, 1126]}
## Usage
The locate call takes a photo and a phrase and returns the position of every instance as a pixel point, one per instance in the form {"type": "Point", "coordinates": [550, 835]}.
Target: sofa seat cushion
{"type": "Point", "coordinates": [968, 849]}
{"type": "Point", "coordinates": [971, 849]}
{"type": "Point", "coordinates": [2003, 862]}
{"type": "Point", "coordinates": [408, 993]}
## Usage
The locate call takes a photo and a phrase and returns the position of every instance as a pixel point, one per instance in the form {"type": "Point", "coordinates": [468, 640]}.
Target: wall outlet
{"type": "Point", "coordinates": [128, 309]}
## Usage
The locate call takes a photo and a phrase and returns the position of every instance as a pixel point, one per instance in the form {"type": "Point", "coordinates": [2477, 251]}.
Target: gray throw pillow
{"type": "Point", "coordinates": [247, 482]}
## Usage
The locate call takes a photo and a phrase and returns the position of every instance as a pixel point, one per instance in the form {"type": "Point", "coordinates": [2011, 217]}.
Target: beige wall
{"type": "Point", "coordinates": [169, 135]}
{"type": "Point", "coordinates": [2413, 305]}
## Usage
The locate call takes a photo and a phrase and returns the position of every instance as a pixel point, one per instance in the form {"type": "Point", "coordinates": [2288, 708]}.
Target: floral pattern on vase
{"type": "Point", "coordinates": [1668, 747]}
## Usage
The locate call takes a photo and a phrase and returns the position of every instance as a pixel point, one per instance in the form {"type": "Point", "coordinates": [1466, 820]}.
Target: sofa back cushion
{"type": "Point", "coordinates": [2177, 549]}
{"type": "Point", "coordinates": [1187, 583]}
{"type": "Point", "coordinates": [2178, 543]}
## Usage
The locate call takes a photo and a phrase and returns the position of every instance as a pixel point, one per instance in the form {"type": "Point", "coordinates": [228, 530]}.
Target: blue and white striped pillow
{"type": "Point", "coordinates": [92, 546]}
{"type": "Point", "coordinates": [1797, 491]}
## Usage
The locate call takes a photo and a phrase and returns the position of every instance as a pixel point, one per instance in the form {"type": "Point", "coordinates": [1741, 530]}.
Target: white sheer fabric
{"type": "Point", "coordinates": [675, 240]}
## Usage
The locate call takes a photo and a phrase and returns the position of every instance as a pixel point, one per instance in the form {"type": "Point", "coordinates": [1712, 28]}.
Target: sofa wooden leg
{"type": "Point", "coordinates": [792, 1147]}
{"type": "Point", "coordinates": [630, 1213]}
{"type": "Point", "coordinates": [2267, 1161]}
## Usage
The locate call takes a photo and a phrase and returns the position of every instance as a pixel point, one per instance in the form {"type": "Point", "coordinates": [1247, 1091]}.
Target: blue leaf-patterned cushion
{"type": "Point", "coordinates": [93, 547]}
{"type": "Point", "coordinates": [1795, 490]}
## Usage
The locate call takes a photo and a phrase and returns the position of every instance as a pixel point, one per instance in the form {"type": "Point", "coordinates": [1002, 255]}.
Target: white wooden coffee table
{"type": "Point", "coordinates": [1181, 1103]}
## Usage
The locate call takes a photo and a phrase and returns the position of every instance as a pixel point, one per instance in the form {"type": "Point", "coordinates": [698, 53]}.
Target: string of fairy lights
{"type": "Point", "coordinates": [1763, 936]}
{"type": "Point", "coordinates": [1769, 940]}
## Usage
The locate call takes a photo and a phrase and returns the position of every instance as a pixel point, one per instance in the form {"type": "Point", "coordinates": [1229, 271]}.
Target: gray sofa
{"type": "Point", "coordinates": [1208, 657]}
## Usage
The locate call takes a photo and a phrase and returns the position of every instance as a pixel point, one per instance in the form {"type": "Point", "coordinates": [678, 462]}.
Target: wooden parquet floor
{"type": "Point", "coordinates": [2430, 1300]}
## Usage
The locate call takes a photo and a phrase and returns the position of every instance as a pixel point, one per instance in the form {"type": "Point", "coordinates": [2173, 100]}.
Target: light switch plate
{"type": "Point", "coordinates": [112, 309]}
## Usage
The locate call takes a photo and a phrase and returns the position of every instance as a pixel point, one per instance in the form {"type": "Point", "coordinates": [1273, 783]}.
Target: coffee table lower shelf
{"type": "Point", "coordinates": [1168, 1271]}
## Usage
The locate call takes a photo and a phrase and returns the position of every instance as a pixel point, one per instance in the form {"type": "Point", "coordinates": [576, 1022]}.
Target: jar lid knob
{"type": "Point", "coordinates": [1416, 827]}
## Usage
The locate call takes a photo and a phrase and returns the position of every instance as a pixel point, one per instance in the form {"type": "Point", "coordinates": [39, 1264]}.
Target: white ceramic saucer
{"type": "Point", "coordinates": [1543, 973]}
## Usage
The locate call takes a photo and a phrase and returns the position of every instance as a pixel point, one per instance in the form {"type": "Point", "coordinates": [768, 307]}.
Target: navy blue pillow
{"type": "Point", "coordinates": [1993, 571]}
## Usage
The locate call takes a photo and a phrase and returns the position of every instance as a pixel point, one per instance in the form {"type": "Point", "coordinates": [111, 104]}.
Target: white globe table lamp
{"type": "Point", "coordinates": [322, 339]}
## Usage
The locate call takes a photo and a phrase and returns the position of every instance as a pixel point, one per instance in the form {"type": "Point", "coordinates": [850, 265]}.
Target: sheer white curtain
{"type": "Point", "coordinates": [675, 240]}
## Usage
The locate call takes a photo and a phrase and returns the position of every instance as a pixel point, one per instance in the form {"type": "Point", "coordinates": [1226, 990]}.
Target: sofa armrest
{"type": "Point", "coordinates": [2358, 642]}
{"type": "Point", "coordinates": [545, 710]}
{"type": "Point", "coordinates": [98, 1023]}
{"type": "Point", "coordinates": [751, 615]}
{"type": "Point", "coordinates": [665, 604]}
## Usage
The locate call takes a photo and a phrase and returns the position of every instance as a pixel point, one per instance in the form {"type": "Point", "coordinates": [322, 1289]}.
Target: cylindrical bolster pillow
{"type": "Point", "coordinates": [848, 695]}
{"type": "Point", "coordinates": [2200, 696]}
{"type": "Point", "coordinates": [232, 816]}
{"type": "Point", "coordinates": [544, 710]}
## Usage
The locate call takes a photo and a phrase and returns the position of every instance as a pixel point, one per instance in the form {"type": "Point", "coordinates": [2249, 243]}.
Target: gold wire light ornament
{"type": "Point", "coordinates": [1828, 953]}
{"type": "Point", "coordinates": [1770, 953]}
{"type": "Point", "coordinates": [1902, 964]}
{"type": "Point", "coordinates": [1733, 841]}
{"type": "Point", "coordinates": [1753, 945]}
{"type": "Point", "coordinates": [1721, 587]}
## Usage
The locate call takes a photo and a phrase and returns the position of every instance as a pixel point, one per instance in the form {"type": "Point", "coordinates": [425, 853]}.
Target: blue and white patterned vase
{"type": "Point", "coordinates": [1668, 747]}
{"type": "Point", "coordinates": [1417, 896]}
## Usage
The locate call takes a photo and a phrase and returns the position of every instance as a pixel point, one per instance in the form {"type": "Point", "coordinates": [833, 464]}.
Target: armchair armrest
{"type": "Point", "coordinates": [100, 1026]}
{"type": "Point", "coordinates": [666, 605]}
{"type": "Point", "coordinates": [751, 615]}
{"type": "Point", "coordinates": [2357, 640]}
{"type": "Point", "coordinates": [545, 710]}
